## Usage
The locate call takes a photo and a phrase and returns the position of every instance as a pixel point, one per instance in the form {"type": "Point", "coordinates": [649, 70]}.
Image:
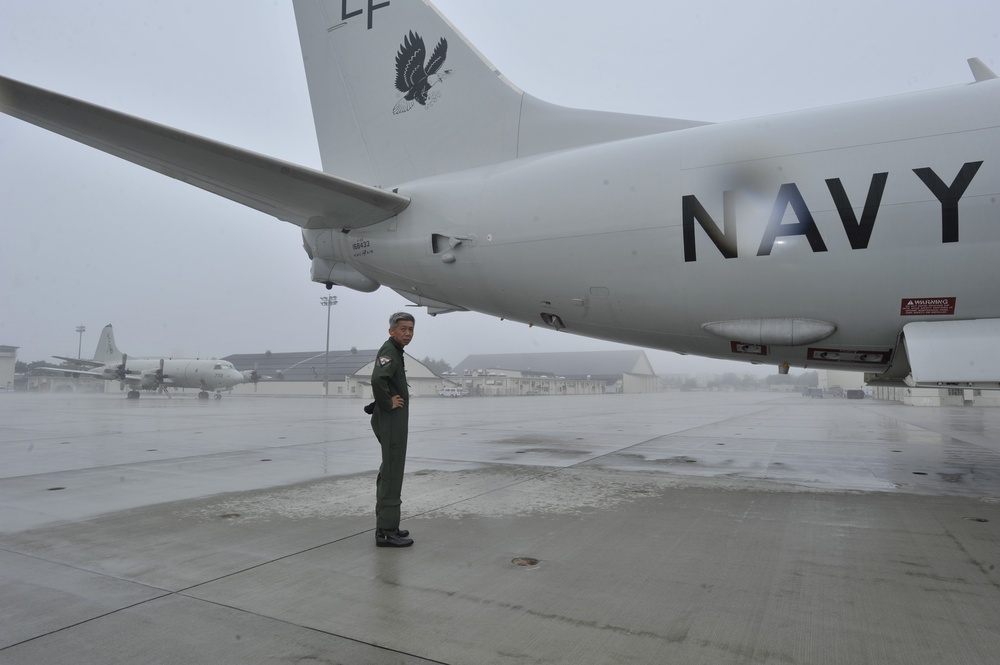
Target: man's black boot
{"type": "Point", "coordinates": [386, 538]}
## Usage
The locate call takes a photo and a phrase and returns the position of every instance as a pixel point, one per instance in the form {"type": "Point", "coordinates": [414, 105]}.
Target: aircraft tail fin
{"type": "Point", "coordinates": [399, 94]}
{"type": "Point", "coordinates": [107, 351]}
{"type": "Point", "coordinates": [980, 71]}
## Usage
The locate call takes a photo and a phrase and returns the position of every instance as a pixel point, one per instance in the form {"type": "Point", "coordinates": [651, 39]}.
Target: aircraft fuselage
{"type": "Point", "coordinates": [202, 374]}
{"type": "Point", "coordinates": [861, 217]}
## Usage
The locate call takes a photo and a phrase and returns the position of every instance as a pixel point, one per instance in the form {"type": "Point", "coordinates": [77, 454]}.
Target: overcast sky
{"type": "Point", "coordinates": [90, 239]}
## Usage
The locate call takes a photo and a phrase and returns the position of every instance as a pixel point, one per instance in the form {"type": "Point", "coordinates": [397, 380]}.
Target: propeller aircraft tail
{"type": "Point", "coordinates": [107, 351]}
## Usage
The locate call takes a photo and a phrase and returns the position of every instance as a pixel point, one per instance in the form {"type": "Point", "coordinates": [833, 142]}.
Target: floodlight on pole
{"type": "Point", "coordinates": [79, 348]}
{"type": "Point", "coordinates": [328, 302]}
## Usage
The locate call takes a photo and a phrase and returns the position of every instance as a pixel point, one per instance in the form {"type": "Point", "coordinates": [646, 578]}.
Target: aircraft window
{"type": "Point", "coordinates": [218, 365]}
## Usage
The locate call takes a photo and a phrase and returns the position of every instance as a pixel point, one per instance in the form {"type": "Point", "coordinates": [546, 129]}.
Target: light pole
{"type": "Point", "coordinates": [328, 302]}
{"type": "Point", "coordinates": [79, 348]}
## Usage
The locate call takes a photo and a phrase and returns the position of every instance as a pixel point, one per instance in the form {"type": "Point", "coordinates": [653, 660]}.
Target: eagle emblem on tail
{"type": "Point", "coordinates": [414, 76]}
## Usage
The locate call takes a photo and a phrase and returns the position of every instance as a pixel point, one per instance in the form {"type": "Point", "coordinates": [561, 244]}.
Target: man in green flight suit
{"type": "Point", "coordinates": [390, 420]}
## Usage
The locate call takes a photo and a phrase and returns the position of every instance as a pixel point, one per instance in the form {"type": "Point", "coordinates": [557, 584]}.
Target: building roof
{"type": "Point", "coordinates": [304, 365]}
{"type": "Point", "coordinates": [570, 364]}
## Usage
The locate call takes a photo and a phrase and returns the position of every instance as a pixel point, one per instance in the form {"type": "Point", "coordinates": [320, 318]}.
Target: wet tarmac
{"type": "Point", "coordinates": [670, 528]}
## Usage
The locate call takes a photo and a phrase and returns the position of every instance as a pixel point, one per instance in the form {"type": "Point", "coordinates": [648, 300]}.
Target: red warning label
{"type": "Point", "coordinates": [927, 307]}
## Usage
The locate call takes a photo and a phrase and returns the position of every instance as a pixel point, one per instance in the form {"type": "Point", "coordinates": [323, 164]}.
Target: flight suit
{"type": "Point", "coordinates": [390, 426]}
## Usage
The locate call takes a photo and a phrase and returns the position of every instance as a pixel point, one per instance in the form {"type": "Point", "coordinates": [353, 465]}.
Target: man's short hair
{"type": "Point", "coordinates": [400, 316]}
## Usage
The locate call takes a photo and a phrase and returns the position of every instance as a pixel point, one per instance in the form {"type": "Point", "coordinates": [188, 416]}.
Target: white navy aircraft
{"type": "Point", "coordinates": [860, 237]}
{"type": "Point", "coordinates": [156, 373]}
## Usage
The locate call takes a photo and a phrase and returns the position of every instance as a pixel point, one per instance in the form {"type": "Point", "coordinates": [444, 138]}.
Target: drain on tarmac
{"type": "Point", "coordinates": [977, 519]}
{"type": "Point", "coordinates": [524, 561]}
{"type": "Point", "coordinates": [55, 489]}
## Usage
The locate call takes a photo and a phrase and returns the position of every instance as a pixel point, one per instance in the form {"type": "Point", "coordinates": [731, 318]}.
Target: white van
{"type": "Point", "coordinates": [451, 391]}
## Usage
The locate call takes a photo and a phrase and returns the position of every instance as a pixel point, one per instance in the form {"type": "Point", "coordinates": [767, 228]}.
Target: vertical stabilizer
{"type": "Point", "coordinates": [980, 71]}
{"type": "Point", "coordinates": [398, 94]}
{"type": "Point", "coordinates": [107, 352]}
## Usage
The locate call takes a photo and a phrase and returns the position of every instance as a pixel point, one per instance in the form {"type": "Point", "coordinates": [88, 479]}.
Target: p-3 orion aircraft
{"type": "Point", "coordinates": [207, 375]}
{"type": "Point", "coordinates": [861, 237]}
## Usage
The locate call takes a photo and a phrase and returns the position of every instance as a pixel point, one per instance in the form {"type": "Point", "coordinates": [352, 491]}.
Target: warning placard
{"type": "Point", "coordinates": [927, 307]}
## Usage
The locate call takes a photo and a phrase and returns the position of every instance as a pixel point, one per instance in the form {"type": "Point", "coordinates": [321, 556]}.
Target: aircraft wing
{"type": "Point", "coordinates": [131, 379]}
{"type": "Point", "coordinates": [303, 196]}
{"type": "Point", "coordinates": [63, 371]}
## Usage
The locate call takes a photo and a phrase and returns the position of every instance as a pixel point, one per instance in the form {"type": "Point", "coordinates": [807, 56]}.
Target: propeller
{"type": "Point", "coordinates": [255, 377]}
{"type": "Point", "coordinates": [159, 375]}
{"type": "Point", "coordinates": [120, 372]}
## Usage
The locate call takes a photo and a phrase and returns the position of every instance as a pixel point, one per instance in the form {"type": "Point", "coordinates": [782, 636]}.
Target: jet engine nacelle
{"type": "Point", "coordinates": [328, 249]}
{"type": "Point", "coordinates": [326, 271]}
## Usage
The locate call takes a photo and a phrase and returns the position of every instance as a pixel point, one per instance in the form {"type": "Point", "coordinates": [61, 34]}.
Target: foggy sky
{"type": "Point", "coordinates": [90, 239]}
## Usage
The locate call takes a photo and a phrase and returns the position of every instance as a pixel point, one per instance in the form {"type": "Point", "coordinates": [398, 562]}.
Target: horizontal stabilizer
{"type": "Point", "coordinates": [81, 362]}
{"type": "Point", "coordinates": [296, 194]}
